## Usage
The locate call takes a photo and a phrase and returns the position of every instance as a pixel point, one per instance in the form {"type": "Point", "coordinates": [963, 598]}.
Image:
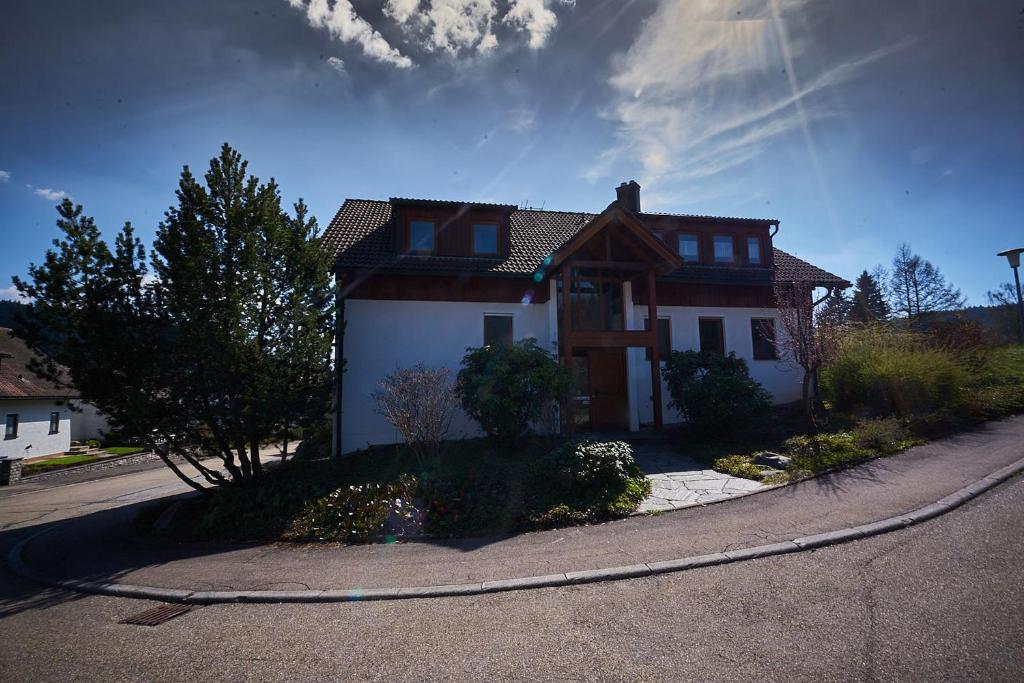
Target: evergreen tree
{"type": "Point", "coordinates": [837, 309]}
{"type": "Point", "coordinates": [226, 345]}
{"type": "Point", "coordinates": [868, 303]}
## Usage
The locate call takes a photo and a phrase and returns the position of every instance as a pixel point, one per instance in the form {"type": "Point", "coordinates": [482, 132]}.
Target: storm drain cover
{"type": "Point", "coordinates": [157, 615]}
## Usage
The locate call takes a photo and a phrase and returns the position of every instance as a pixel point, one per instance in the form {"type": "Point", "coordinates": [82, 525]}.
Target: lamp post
{"type": "Point", "coordinates": [1013, 256]}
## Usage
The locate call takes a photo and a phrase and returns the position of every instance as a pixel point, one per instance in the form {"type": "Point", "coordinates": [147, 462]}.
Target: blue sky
{"type": "Point", "coordinates": [858, 125]}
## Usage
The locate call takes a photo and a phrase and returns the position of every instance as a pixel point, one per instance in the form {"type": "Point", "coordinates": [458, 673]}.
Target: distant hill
{"type": "Point", "coordinates": [8, 309]}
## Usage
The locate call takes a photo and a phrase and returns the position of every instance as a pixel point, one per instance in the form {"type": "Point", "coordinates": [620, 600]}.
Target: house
{"type": "Point", "coordinates": [36, 413]}
{"type": "Point", "coordinates": [420, 280]}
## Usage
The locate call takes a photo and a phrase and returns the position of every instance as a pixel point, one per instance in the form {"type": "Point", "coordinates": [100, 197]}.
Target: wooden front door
{"type": "Point", "coordinates": [609, 402]}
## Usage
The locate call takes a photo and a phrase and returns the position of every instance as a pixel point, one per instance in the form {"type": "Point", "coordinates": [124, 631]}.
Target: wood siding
{"type": "Point", "coordinates": [719, 296]}
{"type": "Point", "coordinates": [448, 288]}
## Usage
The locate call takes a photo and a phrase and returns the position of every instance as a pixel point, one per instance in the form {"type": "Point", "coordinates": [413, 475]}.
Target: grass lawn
{"type": "Point", "coordinates": [57, 464]}
{"type": "Point", "coordinates": [123, 450]}
{"type": "Point", "coordinates": [473, 488]}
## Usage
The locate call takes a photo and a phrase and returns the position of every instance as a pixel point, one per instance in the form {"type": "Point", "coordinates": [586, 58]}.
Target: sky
{"type": "Point", "coordinates": [858, 125]}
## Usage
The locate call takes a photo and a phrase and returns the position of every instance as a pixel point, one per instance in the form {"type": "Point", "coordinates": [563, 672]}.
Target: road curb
{"type": "Point", "coordinates": [17, 564]}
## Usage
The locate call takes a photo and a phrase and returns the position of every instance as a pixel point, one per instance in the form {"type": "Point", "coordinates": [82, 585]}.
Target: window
{"type": "Point", "coordinates": [485, 238]}
{"type": "Point", "coordinates": [723, 249]}
{"type": "Point", "coordinates": [712, 335]}
{"type": "Point", "coordinates": [754, 251]}
{"type": "Point", "coordinates": [421, 236]}
{"type": "Point", "coordinates": [762, 335]}
{"type": "Point", "coordinates": [497, 329]}
{"type": "Point", "coordinates": [11, 429]}
{"type": "Point", "coordinates": [54, 423]}
{"type": "Point", "coordinates": [688, 249]}
{"type": "Point", "coordinates": [664, 338]}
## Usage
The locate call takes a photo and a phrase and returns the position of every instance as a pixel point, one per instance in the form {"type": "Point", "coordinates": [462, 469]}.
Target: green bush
{"type": "Point", "coordinates": [714, 392]}
{"type": "Point", "coordinates": [357, 513]}
{"type": "Point", "coordinates": [886, 373]}
{"type": "Point", "coordinates": [738, 466]}
{"type": "Point", "coordinates": [505, 388]}
{"type": "Point", "coordinates": [588, 466]}
{"type": "Point", "coordinates": [825, 451]}
{"type": "Point", "coordinates": [884, 436]}
{"type": "Point", "coordinates": [588, 480]}
{"type": "Point", "coordinates": [316, 442]}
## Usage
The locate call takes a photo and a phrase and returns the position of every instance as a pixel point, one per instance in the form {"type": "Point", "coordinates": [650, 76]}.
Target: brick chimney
{"type": "Point", "coordinates": [628, 195]}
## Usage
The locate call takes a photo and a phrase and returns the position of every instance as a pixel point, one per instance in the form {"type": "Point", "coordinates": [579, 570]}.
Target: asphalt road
{"type": "Point", "coordinates": [939, 601]}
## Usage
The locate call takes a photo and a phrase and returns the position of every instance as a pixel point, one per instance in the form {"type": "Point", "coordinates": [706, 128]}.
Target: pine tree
{"type": "Point", "coordinates": [868, 304]}
{"type": "Point", "coordinates": [226, 345]}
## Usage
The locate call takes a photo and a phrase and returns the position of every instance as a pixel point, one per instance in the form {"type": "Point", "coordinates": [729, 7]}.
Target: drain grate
{"type": "Point", "coordinates": [157, 615]}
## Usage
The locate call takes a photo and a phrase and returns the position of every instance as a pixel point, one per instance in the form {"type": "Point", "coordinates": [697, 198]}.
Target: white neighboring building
{"type": "Point", "coordinates": [36, 415]}
{"type": "Point", "coordinates": [419, 281]}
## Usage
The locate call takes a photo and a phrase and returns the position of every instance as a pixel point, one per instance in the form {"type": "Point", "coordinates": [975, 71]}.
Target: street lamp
{"type": "Point", "coordinates": [1013, 256]}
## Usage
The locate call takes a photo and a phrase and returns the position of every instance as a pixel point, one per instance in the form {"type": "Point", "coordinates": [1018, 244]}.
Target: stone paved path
{"type": "Point", "coordinates": [678, 481]}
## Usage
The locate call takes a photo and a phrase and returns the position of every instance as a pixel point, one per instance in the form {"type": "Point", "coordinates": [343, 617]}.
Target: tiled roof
{"type": "Point", "coordinates": [789, 268]}
{"type": "Point", "coordinates": [361, 236]}
{"type": "Point", "coordinates": [16, 380]}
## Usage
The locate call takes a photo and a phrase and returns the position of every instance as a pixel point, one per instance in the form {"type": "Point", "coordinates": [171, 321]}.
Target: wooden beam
{"type": "Point", "coordinates": [652, 315]}
{"type": "Point", "coordinates": [568, 418]}
{"type": "Point", "coordinates": [610, 265]}
{"type": "Point", "coordinates": [610, 339]}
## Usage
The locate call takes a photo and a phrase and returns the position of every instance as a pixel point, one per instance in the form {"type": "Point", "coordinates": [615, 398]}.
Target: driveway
{"type": "Point", "coordinates": [678, 481]}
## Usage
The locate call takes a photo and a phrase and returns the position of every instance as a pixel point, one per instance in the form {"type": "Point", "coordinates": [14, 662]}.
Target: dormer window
{"type": "Point", "coordinates": [723, 249]}
{"type": "Point", "coordinates": [485, 239]}
{"type": "Point", "coordinates": [422, 236]}
{"type": "Point", "coordinates": [689, 249]}
{"type": "Point", "coordinates": [754, 251]}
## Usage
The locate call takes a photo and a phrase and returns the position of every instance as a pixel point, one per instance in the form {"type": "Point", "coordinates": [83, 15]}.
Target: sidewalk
{"type": "Point", "coordinates": [99, 547]}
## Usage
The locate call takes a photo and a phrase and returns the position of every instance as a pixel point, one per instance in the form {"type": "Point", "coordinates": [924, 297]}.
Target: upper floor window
{"type": "Point", "coordinates": [723, 249]}
{"type": "Point", "coordinates": [421, 236]}
{"type": "Point", "coordinates": [754, 251]}
{"type": "Point", "coordinates": [485, 238]}
{"type": "Point", "coordinates": [688, 249]}
{"type": "Point", "coordinates": [11, 428]}
{"type": "Point", "coordinates": [54, 423]}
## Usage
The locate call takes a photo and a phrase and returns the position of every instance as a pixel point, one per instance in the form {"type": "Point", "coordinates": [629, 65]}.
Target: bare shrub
{"type": "Point", "coordinates": [420, 402]}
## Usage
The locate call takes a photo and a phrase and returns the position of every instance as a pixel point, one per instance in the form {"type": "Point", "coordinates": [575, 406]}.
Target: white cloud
{"type": "Point", "coordinates": [706, 87]}
{"type": "Point", "coordinates": [450, 26]}
{"type": "Point", "coordinates": [535, 18]}
{"type": "Point", "coordinates": [12, 294]}
{"type": "Point", "coordinates": [342, 22]}
{"type": "Point", "coordinates": [47, 193]}
{"type": "Point", "coordinates": [336, 64]}
{"type": "Point", "coordinates": [401, 10]}
{"type": "Point", "coordinates": [5, 176]}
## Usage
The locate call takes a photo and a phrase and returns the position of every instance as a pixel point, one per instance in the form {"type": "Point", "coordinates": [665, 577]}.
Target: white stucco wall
{"type": "Point", "coordinates": [34, 438]}
{"type": "Point", "coordinates": [87, 422]}
{"type": "Point", "coordinates": [778, 377]}
{"type": "Point", "coordinates": [382, 336]}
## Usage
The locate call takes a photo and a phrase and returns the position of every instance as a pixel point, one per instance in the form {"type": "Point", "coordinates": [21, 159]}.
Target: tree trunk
{"type": "Point", "coordinates": [806, 392]}
{"type": "Point", "coordinates": [165, 456]}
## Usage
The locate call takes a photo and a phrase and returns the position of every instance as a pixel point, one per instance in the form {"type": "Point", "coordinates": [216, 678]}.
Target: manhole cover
{"type": "Point", "coordinates": [157, 615]}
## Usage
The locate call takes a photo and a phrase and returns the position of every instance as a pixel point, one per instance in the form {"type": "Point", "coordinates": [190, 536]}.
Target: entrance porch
{"type": "Point", "coordinates": [593, 277]}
